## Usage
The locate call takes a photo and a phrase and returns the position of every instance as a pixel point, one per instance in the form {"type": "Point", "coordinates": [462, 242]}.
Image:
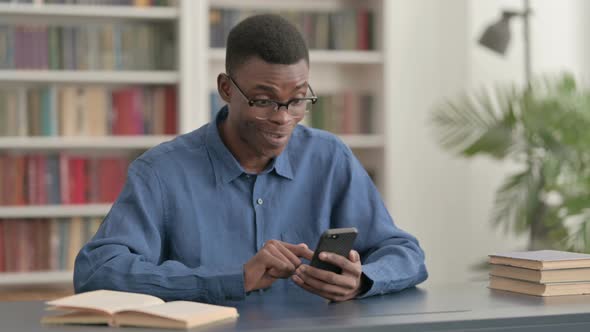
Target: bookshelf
{"type": "Point", "coordinates": [89, 76]}
{"type": "Point", "coordinates": [36, 278]}
{"type": "Point", "coordinates": [217, 55]}
{"type": "Point", "coordinates": [91, 143]}
{"type": "Point", "coordinates": [54, 211]}
{"type": "Point", "coordinates": [196, 67]}
{"type": "Point", "coordinates": [35, 12]}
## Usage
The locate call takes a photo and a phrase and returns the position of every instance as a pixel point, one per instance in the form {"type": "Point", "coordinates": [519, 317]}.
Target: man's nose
{"type": "Point", "coordinates": [281, 115]}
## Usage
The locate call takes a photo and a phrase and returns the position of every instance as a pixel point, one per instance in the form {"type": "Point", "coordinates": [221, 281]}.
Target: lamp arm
{"type": "Point", "coordinates": [526, 29]}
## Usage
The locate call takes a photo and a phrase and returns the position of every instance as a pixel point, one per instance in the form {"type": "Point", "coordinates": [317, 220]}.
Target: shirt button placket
{"type": "Point", "coordinates": [258, 212]}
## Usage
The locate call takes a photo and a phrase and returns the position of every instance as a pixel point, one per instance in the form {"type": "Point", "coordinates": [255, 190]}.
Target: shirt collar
{"type": "Point", "coordinates": [225, 165]}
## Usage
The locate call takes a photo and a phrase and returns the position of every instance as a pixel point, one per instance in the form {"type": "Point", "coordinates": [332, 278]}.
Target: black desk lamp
{"type": "Point", "coordinates": [497, 36]}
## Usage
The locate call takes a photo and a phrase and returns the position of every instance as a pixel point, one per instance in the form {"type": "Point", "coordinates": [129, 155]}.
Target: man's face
{"type": "Point", "coordinates": [266, 136]}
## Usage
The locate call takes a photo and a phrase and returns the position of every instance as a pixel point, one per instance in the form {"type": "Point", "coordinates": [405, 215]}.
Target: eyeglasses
{"type": "Point", "coordinates": [264, 108]}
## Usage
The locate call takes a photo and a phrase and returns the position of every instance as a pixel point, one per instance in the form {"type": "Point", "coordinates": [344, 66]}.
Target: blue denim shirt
{"type": "Point", "coordinates": [189, 217]}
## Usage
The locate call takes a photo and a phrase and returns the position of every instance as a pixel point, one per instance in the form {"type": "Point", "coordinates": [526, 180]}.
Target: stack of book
{"type": "Point", "coordinates": [541, 273]}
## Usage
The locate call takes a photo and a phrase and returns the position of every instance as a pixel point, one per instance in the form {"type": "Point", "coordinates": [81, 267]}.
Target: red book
{"type": "Point", "coordinates": [78, 182]}
{"type": "Point", "coordinates": [19, 190]}
{"type": "Point", "coordinates": [362, 25]}
{"type": "Point", "coordinates": [94, 180]}
{"type": "Point", "coordinates": [170, 112]}
{"type": "Point", "coordinates": [64, 178]}
{"type": "Point", "coordinates": [10, 245]}
{"type": "Point", "coordinates": [127, 115]}
{"type": "Point", "coordinates": [104, 177]}
{"type": "Point", "coordinates": [4, 172]}
{"type": "Point", "coordinates": [41, 179]}
{"type": "Point", "coordinates": [3, 251]}
{"type": "Point", "coordinates": [31, 179]}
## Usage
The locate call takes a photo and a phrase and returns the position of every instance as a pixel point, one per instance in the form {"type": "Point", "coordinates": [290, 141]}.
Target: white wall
{"type": "Point", "coordinates": [428, 190]}
{"type": "Point", "coordinates": [445, 201]}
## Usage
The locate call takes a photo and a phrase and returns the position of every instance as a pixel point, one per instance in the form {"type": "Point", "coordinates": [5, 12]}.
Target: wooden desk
{"type": "Point", "coordinates": [468, 307]}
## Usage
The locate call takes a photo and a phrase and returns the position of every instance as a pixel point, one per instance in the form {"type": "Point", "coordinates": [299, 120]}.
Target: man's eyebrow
{"type": "Point", "coordinates": [265, 88]}
{"type": "Point", "coordinates": [271, 89]}
{"type": "Point", "coordinates": [304, 84]}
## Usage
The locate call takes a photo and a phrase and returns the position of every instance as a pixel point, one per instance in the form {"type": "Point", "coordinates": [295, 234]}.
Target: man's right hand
{"type": "Point", "coordinates": [275, 260]}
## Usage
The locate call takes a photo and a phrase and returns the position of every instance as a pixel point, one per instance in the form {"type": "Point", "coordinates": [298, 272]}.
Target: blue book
{"type": "Point", "coordinates": [52, 180]}
{"type": "Point", "coordinates": [6, 47]}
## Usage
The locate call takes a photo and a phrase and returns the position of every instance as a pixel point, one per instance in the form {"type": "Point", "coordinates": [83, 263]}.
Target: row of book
{"type": "Point", "coordinates": [541, 272]}
{"type": "Point", "coordinates": [88, 111]}
{"type": "Point", "coordinates": [38, 179]}
{"type": "Point", "coordinates": [137, 3]}
{"type": "Point", "coordinates": [43, 244]}
{"type": "Point", "coordinates": [346, 113]}
{"type": "Point", "coordinates": [121, 46]}
{"type": "Point", "coordinates": [345, 29]}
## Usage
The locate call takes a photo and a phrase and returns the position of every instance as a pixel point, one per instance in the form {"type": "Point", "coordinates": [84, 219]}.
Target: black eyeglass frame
{"type": "Point", "coordinates": [252, 102]}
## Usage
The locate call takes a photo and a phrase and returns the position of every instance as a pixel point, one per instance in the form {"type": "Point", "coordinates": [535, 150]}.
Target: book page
{"type": "Point", "coordinates": [544, 255]}
{"type": "Point", "coordinates": [186, 311]}
{"type": "Point", "coordinates": [78, 318]}
{"type": "Point", "coordinates": [106, 301]}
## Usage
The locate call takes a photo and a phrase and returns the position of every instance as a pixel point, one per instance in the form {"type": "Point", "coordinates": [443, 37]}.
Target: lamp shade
{"type": "Point", "coordinates": [497, 36]}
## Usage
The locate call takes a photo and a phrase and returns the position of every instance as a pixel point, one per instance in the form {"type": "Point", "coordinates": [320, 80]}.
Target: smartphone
{"type": "Point", "coordinates": [336, 240]}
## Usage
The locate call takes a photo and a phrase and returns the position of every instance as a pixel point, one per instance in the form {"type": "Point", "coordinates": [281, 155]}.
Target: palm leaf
{"type": "Point", "coordinates": [478, 124]}
{"type": "Point", "coordinates": [516, 201]}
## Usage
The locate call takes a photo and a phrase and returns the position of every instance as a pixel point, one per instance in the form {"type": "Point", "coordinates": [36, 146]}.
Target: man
{"type": "Point", "coordinates": [232, 207]}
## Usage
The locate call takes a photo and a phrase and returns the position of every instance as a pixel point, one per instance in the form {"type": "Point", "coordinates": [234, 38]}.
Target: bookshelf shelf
{"type": "Point", "coordinates": [324, 56]}
{"type": "Point", "coordinates": [310, 5]}
{"type": "Point", "coordinates": [84, 142]}
{"type": "Point", "coordinates": [86, 11]}
{"type": "Point", "coordinates": [363, 141]}
{"type": "Point", "coordinates": [32, 278]}
{"type": "Point", "coordinates": [72, 76]}
{"type": "Point", "coordinates": [54, 211]}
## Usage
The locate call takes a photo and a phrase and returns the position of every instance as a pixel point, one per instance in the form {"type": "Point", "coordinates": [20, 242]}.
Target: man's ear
{"type": "Point", "coordinates": [223, 87]}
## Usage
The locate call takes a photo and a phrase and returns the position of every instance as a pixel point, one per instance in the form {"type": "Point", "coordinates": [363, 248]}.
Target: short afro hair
{"type": "Point", "coordinates": [268, 36]}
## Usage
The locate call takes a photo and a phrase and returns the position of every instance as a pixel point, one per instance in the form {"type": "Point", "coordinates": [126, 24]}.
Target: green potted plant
{"type": "Point", "coordinates": [545, 130]}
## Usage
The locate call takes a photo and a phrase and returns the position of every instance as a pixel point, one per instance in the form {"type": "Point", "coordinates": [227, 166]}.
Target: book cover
{"type": "Point", "coordinates": [537, 289]}
{"type": "Point", "coordinates": [2, 246]}
{"type": "Point", "coordinates": [541, 276]}
{"type": "Point", "coordinates": [542, 259]}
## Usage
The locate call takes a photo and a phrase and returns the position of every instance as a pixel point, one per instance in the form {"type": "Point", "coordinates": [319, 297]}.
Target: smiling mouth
{"type": "Point", "coordinates": [274, 138]}
{"type": "Point", "coordinates": [276, 135]}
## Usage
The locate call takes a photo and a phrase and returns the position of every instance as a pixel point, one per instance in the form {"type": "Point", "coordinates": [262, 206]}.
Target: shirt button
{"type": "Point", "coordinates": [259, 201]}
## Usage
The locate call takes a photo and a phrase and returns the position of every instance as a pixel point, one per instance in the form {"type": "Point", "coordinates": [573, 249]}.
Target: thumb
{"type": "Point", "coordinates": [354, 256]}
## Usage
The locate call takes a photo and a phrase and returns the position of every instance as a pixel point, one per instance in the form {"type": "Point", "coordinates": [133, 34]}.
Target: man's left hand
{"type": "Point", "coordinates": [327, 284]}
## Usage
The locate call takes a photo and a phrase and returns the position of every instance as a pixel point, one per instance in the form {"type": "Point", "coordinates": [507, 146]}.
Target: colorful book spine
{"type": "Point", "coordinates": [39, 179]}
{"type": "Point", "coordinates": [344, 29]}
{"type": "Point", "coordinates": [88, 111]}
{"type": "Point", "coordinates": [108, 46]}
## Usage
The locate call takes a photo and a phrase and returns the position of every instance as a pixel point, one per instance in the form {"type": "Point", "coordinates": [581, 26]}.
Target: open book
{"type": "Point", "coordinates": [132, 309]}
